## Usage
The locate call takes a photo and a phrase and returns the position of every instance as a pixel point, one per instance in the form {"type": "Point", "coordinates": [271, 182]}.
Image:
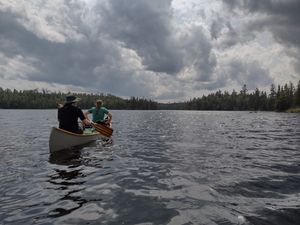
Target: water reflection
{"type": "Point", "coordinates": [67, 157]}
{"type": "Point", "coordinates": [68, 180]}
{"type": "Point", "coordinates": [71, 204]}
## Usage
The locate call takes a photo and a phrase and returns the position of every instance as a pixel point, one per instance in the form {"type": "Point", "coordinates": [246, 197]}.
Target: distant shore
{"type": "Point", "coordinates": [286, 98]}
{"type": "Point", "coordinates": [293, 110]}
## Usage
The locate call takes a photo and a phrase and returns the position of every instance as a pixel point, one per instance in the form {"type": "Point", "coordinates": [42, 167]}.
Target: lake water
{"type": "Point", "coordinates": [164, 167]}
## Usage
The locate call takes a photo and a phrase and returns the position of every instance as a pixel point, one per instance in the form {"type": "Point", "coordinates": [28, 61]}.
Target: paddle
{"type": "Point", "coordinates": [102, 129]}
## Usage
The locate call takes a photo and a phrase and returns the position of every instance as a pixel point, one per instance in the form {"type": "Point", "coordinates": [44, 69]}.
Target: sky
{"type": "Point", "coordinates": [164, 50]}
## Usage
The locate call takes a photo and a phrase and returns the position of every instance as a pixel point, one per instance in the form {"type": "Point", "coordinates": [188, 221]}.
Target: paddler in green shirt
{"type": "Point", "coordinates": [99, 113]}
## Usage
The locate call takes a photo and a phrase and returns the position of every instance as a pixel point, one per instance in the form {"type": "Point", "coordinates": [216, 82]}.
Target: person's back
{"type": "Point", "coordinates": [68, 116]}
{"type": "Point", "coordinates": [98, 114]}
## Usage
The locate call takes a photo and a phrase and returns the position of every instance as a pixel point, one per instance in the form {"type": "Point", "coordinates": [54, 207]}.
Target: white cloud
{"type": "Point", "coordinates": [50, 20]}
{"type": "Point", "coordinates": [166, 50]}
{"type": "Point", "coordinates": [17, 67]}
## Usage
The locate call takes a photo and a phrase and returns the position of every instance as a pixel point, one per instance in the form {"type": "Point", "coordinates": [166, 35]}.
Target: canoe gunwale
{"type": "Point", "coordinates": [75, 134]}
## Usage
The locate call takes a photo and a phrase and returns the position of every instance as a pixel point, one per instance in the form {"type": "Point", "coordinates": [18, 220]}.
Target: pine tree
{"type": "Point", "coordinates": [297, 95]}
{"type": "Point", "coordinates": [272, 98]}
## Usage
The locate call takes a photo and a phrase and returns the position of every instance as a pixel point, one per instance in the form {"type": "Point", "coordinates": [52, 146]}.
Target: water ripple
{"type": "Point", "coordinates": [164, 167]}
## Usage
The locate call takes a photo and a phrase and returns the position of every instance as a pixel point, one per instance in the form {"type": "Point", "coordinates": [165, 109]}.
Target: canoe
{"type": "Point", "coordinates": [61, 139]}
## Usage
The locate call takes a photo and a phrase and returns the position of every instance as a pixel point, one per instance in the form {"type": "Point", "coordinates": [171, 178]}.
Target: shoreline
{"type": "Point", "coordinates": [293, 110]}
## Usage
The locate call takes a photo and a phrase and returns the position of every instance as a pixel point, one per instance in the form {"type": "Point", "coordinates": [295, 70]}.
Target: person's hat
{"type": "Point", "coordinates": [71, 99]}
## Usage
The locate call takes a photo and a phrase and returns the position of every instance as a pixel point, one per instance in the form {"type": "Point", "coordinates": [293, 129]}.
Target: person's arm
{"type": "Point", "coordinates": [85, 120]}
{"type": "Point", "coordinates": [86, 114]}
{"type": "Point", "coordinates": [59, 114]}
{"type": "Point", "coordinates": [109, 117]}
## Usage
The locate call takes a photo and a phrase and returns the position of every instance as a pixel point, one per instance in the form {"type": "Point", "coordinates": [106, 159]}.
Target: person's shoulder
{"type": "Point", "coordinates": [60, 109]}
{"type": "Point", "coordinates": [76, 108]}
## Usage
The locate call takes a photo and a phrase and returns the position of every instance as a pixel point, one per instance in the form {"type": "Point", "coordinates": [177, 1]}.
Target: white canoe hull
{"type": "Point", "coordinates": [61, 139]}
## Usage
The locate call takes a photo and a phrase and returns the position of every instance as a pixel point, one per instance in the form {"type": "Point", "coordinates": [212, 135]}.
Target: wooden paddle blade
{"type": "Point", "coordinates": [102, 129]}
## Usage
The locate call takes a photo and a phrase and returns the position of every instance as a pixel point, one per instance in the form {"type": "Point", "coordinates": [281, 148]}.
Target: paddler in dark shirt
{"type": "Point", "coordinates": [68, 115]}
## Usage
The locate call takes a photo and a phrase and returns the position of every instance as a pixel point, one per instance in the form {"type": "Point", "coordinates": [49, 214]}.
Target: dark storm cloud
{"type": "Point", "coordinates": [199, 54]}
{"type": "Point", "coordinates": [238, 72]}
{"type": "Point", "coordinates": [146, 27]}
{"type": "Point", "coordinates": [72, 62]}
{"type": "Point", "coordinates": [280, 17]}
{"type": "Point", "coordinates": [233, 36]}
{"type": "Point", "coordinates": [112, 46]}
{"type": "Point", "coordinates": [8, 34]}
{"type": "Point", "coordinates": [143, 26]}
{"type": "Point", "coordinates": [116, 79]}
{"type": "Point", "coordinates": [283, 17]}
{"type": "Point", "coordinates": [251, 74]}
{"type": "Point", "coordinates": [216, 27]}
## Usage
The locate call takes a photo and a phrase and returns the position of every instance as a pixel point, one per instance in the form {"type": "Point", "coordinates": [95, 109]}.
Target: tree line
{"type": "Point", "coordinates": [34, 99]}
{"type": "Point", "coordinates": [279, 98]}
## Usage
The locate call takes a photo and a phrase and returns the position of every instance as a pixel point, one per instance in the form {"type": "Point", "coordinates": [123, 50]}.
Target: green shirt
{"type": "Point", "coordinates": [98, 114]}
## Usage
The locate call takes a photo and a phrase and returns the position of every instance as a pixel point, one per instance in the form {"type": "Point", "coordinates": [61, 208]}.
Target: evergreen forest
{"type": "Point", "coordinates": [279, 98]}
{"type": "Point", "coordinates": [34, 99]}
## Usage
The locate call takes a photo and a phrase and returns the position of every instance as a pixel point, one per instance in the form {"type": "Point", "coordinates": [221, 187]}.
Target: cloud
{"type": "Point", "coordinates": [251, 74]}
{"type": "Point", "coordinates": [165, 50]}
{"type": "Point", "coordinates": [50, 20]}
{"type": "Point", "coordinates": [199, 57]}
{"type": "Point", "coordinates": [70, 62]}
{"type": "Point", "coordinates": [146, 27]}
{"type": "Point", "coordinates": [280, 17]}
{"type": "Point", "coordinates": [16, 67]}
{"type": "Point", "coordinates": [216, 26]}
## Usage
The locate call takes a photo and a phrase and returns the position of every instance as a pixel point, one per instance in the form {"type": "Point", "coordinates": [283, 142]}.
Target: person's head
{"type": "Point", "coordinates": [71, 99]}
{"type": "Point", "coordinates": [99, 103]}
